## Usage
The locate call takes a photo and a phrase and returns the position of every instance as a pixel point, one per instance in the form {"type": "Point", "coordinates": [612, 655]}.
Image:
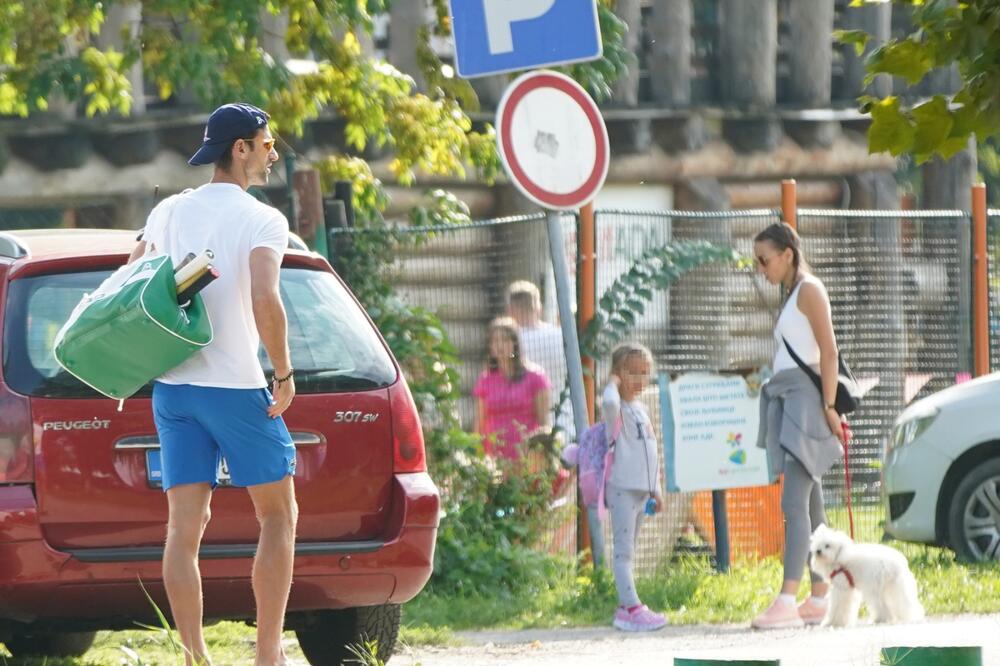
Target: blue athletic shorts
{"type": "Point", "coordinates": [198, 425]}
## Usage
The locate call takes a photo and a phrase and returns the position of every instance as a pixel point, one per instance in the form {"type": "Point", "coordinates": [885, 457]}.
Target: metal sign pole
{"type": "Point", "coordinates": [571, 342]}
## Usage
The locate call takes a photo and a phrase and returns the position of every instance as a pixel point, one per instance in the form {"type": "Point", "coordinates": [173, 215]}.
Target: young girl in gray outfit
{"type": "Point", "coordinates": [632, 487]}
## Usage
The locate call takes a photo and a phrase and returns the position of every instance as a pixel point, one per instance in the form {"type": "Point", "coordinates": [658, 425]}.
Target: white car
{"type": "Point", "coordinates": [941, 479]}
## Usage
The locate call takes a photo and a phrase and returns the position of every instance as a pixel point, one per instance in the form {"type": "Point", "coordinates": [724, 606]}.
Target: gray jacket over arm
{"type": "Point", "coordinates": [792, 421]}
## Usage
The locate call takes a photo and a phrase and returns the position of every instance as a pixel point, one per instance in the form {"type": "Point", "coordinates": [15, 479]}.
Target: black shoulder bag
{"type": "Point", "coordinates": [848, 392]}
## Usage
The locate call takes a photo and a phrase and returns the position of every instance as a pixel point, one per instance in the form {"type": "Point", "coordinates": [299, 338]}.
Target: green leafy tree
{"type": "Point", "coordinates": [944, 33]}
{"type": "Point", "coordinates": [47, 46]}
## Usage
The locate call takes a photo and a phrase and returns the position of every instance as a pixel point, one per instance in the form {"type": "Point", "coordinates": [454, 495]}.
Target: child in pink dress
{"type": "Point", "coordinates": [512, 394]}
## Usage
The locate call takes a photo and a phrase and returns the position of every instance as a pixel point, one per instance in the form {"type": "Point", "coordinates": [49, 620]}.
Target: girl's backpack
{"type": "Point", "coordinates": [591, 457]}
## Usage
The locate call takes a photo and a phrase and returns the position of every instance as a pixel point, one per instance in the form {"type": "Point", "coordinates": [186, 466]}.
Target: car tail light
{"type": "Point", "coordinates": [407, 436]}
{"type": "Point", "coordinates": [16, 449]}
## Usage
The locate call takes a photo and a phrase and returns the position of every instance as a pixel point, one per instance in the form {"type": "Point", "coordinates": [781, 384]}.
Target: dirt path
{"type": "Point", "coordinates": [858, 646]}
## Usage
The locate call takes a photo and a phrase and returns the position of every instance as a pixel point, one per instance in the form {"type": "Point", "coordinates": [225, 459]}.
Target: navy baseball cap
{"type": "Point", "coordinates": [226, 124]}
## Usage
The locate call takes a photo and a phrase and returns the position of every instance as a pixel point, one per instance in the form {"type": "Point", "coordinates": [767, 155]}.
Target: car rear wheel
{"type": "Point", "coordinates": [974, 514]}
{"type": "Point", "coordinates": [325, 636]}
{"type": "Point", "coordinates": [51, 644]}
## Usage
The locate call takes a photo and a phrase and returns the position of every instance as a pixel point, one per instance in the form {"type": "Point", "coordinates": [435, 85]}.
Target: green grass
{"type": "Point", "coordinates": [229, 643]}
{"type": "Point", "coordinates": [688, 589]}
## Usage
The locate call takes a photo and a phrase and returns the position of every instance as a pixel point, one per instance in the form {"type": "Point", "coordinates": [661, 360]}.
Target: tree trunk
{"type": "Point", "coordinates": [749, 48]}
{"type": "Point", "coordinates": [876, 20]}
{"type": "Point", "coordinates": [811, 53]}
{"type": "Point", "coordinates": [670, 52]}
{"type": "Point", "coordinates": [626, 90]}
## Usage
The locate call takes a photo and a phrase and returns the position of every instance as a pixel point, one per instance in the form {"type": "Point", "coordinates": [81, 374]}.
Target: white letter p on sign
{"type": "Point", "coordinates": [501, 13]}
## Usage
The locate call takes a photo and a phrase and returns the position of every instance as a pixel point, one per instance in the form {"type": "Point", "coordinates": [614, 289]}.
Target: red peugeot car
{"type": "Point", "coordinates": [82, 516]}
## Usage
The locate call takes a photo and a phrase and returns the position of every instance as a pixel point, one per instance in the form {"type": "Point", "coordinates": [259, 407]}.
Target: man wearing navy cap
{"type": "Point", "coordinates": [216, 404]}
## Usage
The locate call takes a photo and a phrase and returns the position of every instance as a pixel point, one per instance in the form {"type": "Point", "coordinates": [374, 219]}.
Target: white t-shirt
{"type": "Point", "coordinates": [223, 218]}
{"type": "Point", "coordinates": [543, 345]}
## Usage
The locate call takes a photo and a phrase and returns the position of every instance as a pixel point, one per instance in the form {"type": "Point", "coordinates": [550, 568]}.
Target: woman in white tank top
{"type": "Point", "coordinates": [807, 431]}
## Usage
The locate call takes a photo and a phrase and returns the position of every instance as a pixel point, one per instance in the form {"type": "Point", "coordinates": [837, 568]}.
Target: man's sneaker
{"type": "Point", "coordinates": [779, 615]}
{"type": "Point", "coordinates": [639, 619]}
{"type": "Point", "coordinates": [812, 612]}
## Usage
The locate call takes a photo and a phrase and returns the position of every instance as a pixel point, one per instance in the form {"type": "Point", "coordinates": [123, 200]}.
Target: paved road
{"type": "Point", "coordinates": [858, 646]}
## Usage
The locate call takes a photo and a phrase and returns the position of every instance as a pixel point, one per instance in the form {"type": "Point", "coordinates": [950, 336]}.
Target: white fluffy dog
{"type": "Point", "coordinates": [877, 574]}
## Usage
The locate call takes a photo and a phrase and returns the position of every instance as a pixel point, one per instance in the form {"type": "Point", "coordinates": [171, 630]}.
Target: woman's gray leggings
{"type": "Point", "coordinates": [802, 504]}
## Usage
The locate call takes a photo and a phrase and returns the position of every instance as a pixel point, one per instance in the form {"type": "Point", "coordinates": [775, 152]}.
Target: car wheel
{"type": "Point", "coordinates": [326, 636]}
{"type": "Point", "coordinates": [974, 514]}
{"type": "Point", "coordinates": [51, 644]}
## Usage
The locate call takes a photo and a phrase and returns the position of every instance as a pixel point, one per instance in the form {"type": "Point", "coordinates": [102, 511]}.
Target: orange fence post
{"type": "Point", "coordinates": [585, 308]}
{"type": "Point", "coordinates": [789, 202]}
{"type": "Point", "coordinates": [980, 284]}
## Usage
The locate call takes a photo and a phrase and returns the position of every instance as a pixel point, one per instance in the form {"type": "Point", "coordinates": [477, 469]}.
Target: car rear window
{"type": "Point", "coordinates": [334, 347]}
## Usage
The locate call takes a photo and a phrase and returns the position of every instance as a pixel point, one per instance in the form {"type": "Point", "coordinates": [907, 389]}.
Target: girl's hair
{"type": "Point", "coordinates": [624, 351]}
{"type": "Point", "coordinates": [782, 236]}
{"type": "Point", "coordinates": [507, 326]}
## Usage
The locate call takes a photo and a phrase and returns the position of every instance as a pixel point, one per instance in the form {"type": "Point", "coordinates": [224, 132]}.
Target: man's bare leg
{"type": "Point", "coordinates": [277, 513]}
{"type": "Point", "coordinates": [189, 514]}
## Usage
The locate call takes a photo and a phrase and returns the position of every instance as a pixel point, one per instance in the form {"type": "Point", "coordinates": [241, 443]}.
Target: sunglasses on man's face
{"type": "Point", "coordinates": [267, 143]}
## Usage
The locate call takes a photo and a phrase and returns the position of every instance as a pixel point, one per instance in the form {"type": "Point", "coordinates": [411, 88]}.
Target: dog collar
{"type": "Point", "coordinates": [847, 575]}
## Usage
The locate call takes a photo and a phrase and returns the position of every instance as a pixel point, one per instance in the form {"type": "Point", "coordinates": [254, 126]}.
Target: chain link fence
{"type": "Point", "coordinates": [900, 290]}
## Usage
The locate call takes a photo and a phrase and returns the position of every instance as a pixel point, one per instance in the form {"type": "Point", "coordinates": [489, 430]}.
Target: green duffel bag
{"type": "Point", "coordinates": [131, 329]}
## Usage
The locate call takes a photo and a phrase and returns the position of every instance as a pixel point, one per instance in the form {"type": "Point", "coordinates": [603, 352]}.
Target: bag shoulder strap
{"type": "Point", "coordinates": [798, 361]}
{"type": "Point", "coordinates": [174, 200]}
{"type": "Point", "coordinates": [619, 424]}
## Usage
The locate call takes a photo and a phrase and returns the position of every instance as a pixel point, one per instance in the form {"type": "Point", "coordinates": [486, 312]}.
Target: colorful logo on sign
{"type": "Point", "coordinates": [735, 442]}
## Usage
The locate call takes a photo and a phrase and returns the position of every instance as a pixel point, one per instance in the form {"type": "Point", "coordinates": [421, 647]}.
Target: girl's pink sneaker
{"type": "Point", "coordinates": [639, 619]}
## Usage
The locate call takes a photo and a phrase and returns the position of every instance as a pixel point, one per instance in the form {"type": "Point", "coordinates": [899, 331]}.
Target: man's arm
{"type": "Point", "coordinates": [272, 324]}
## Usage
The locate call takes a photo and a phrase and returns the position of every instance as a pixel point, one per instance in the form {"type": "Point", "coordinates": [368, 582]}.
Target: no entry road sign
{"type": "Point", "coordinates": [552, 140]}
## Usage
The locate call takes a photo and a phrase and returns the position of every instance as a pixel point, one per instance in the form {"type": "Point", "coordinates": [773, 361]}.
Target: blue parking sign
{"type": "Point", "coordinates": [494, 36]}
